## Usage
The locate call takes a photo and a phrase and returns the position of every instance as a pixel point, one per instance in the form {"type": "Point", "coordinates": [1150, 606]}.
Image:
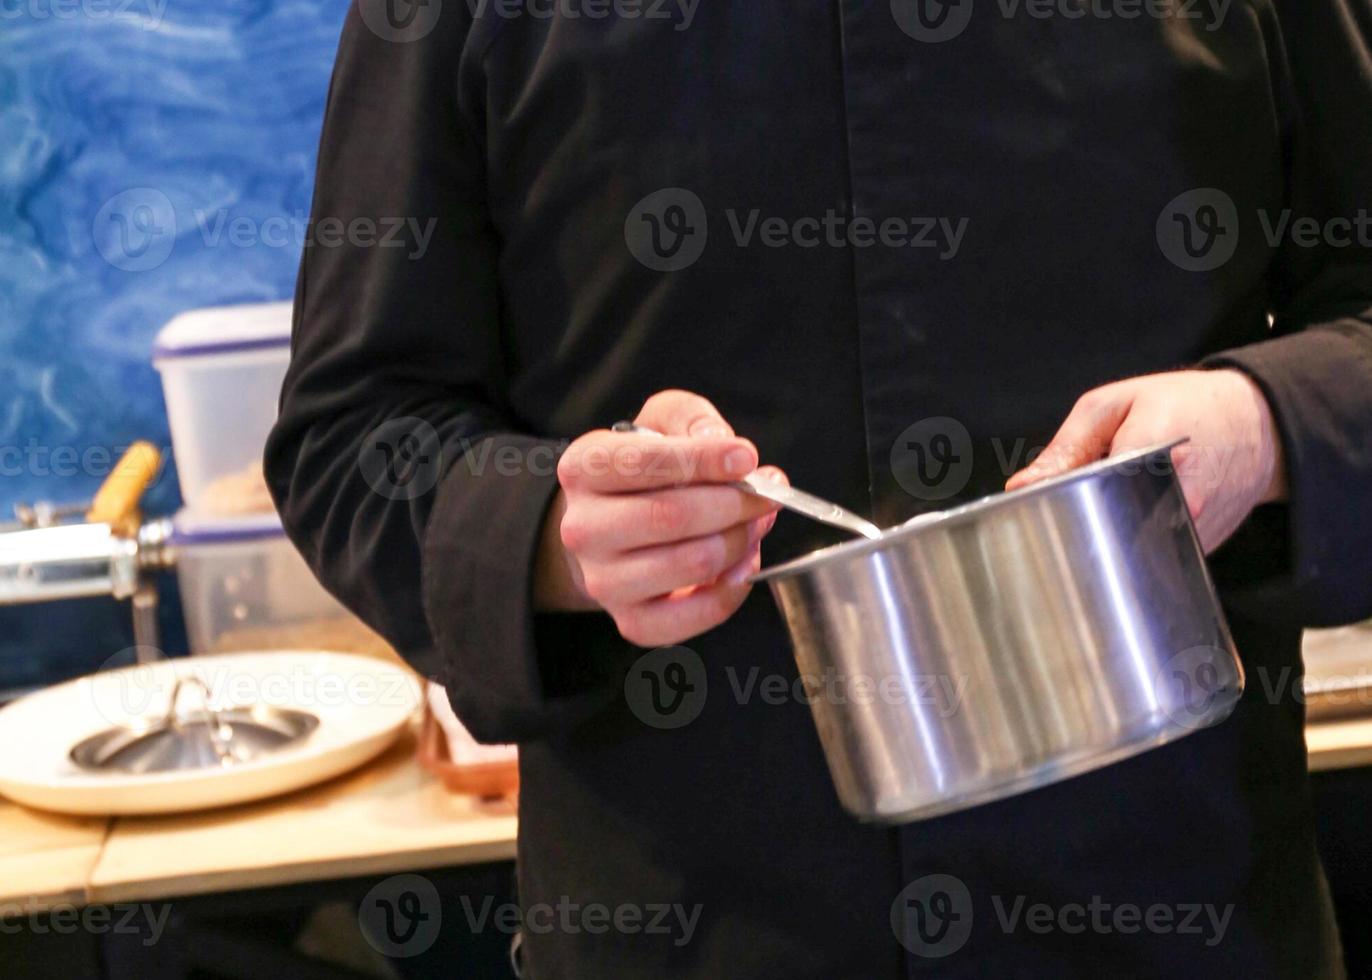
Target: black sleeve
{"type": "Point", "coordinates": [397, 466]}
{"type": "Point", "coordinates": [1317, 370]}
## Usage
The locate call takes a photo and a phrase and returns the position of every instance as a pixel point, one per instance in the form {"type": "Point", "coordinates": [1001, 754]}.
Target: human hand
{"type": "Point", "coordinates": [1232, 463]}
{"type": "Point", "coordinates": [646, 528]}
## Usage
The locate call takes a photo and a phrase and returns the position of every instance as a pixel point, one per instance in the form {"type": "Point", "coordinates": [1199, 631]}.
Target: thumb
{"type": "Point", "coordinates": [683, 413]}
{"type": "Point", "coordinates": [1084, 436]}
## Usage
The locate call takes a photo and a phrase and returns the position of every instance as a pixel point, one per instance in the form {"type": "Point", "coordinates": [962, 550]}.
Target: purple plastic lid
{"type": "Point", "coordinates": [193, 529]}
{"type": "Point", "coordinates": [164, 352]}
{"type": "Point", "coordinates": [224, 330]}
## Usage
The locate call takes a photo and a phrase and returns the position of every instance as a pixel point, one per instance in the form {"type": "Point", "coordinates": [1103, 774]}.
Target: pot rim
{"type": "Point", "coordinates": [900, 533]}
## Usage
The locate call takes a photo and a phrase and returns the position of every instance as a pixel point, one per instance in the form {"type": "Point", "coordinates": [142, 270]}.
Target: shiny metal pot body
{"type": "Point", "coordinates": [1010, 643]}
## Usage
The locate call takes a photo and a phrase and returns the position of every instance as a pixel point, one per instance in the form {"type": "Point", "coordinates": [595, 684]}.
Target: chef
{"type": "Point", "coordinates": [900, 254]}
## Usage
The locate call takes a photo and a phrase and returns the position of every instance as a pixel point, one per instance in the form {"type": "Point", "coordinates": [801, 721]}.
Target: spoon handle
{"type": "Point", "coordinates": [815, 508]}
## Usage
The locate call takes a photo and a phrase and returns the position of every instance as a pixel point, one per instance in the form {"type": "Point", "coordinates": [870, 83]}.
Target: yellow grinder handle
{"type": "Point", "coordinates": [116, 503]}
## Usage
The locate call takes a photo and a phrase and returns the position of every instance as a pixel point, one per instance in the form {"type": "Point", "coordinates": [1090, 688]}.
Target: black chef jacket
{"type": "Point", "coordinates": [434, 379]}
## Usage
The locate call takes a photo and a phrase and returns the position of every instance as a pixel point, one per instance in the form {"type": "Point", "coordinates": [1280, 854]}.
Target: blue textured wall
{"type": "Point", "coordinates": [155, 156]}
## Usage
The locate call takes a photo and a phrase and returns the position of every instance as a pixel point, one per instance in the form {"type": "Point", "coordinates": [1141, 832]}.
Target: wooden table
{"type": "Point", "coordinates": [45, 859]}
{"type": "Point", "coordinates": [390, 816]}
{"type": "Point", "coordinates": [387, 817]}
{"type": "Point", "coordinates": [1340, 656]}
{"type": "Point", "coordinates": [1339, 745]}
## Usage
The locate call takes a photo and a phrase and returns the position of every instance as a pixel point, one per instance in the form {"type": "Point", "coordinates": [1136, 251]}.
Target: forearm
{"type": "Point", "coordinates": [1318, 382]}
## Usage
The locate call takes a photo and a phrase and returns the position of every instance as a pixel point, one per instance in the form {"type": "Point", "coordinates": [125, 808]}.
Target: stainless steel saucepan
{"type": "Point", "coordinates": [1012, 642]}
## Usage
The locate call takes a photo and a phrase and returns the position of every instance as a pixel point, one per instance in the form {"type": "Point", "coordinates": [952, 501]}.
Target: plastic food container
{"type": "Point", "coordinates": [245, 587]}
{"type": "Point", "coordinates": [222, 369]}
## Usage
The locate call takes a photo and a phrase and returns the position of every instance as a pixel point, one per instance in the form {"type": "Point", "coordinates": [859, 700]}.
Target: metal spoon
{"type": "Point", "coordinates": [816, 508]}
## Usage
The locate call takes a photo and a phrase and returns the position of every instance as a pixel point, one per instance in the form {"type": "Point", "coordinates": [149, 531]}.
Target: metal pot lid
{"type": "Point", "coordinates": [202, 738]}
{"type": "Point", "coordinates": [975, 508]}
